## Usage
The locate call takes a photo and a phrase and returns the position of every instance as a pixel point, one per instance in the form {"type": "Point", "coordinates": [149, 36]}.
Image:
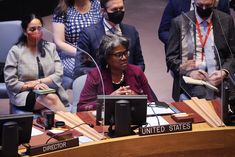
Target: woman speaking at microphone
{"type": "Point", "coordinates": [119, 77]}
{"type": "Point", "coordinates": [32, 64]}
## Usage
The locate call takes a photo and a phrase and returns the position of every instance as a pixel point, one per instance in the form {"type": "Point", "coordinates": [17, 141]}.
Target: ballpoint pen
{"type": "Point", "coordinates": [38, 126]}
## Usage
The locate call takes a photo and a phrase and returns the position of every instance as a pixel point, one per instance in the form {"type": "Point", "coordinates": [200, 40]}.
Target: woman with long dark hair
{"type": "Point", "coordinates": [33, 64]}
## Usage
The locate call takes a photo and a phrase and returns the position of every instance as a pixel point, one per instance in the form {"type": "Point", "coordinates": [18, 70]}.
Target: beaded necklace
{"type": "Point", "coordinates": [120, 81]}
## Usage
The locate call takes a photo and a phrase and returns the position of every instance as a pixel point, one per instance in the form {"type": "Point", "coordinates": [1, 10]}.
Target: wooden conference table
{"type": "Point", "coordinates": [201, 141]}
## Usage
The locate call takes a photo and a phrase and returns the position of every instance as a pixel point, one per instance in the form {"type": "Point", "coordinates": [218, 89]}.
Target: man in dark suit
{"type": "Point", "coordinates": [90, 37]}
{"type": "Point", "coordinates": [232, 4]}
{"type": "Point", "coordinates": [174, 8]}
{"type": "Point", "coordinates": [188, 55]}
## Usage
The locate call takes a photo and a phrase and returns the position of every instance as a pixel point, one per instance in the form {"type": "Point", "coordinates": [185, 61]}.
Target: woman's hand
{"type": "Point", "coordinates": [30, 85]}
{"type": "Point", "coordinates": [124, 90]}
{"type": "Point", "coordinates": [40, 86]}
{"type": "Point", "coordinates": [36, 84]}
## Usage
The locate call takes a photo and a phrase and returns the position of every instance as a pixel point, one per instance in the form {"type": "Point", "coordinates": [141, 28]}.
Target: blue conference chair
{"type": "Point", "coordinates": [78, 85]}
{"type": "Point", "coordinates": [10, 31]}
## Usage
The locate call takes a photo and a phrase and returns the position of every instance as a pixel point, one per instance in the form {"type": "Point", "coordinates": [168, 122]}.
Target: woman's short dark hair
{"type": "Point", "coordinates": [108, 43]}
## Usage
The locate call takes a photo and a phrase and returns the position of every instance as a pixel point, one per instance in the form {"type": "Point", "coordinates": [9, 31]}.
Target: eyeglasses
{"type": "Point", "coordinates": [33, 29]}
{"type": "Point", "coordinates": [120, 55]}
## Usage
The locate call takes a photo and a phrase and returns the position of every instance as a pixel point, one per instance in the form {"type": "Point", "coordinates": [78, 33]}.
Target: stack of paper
{"type": "Point", "coordinates": [190, 80]}
{"type": "Point", "coordinates": [155, 110]}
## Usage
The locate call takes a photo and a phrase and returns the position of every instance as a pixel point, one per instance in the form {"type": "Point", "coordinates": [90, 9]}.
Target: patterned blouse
{"type": "Point", "coordinates": [74, 22]}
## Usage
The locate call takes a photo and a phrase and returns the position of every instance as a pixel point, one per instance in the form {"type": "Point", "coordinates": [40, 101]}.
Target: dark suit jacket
{"type": "Point", "coordinates": [90, 39]}
{"type": "Point", "coordinates": [174, 49]}
{"type": "Point", "coordinates": [174, 8]}
{"type": "Point", "coordinates": [134, 77]}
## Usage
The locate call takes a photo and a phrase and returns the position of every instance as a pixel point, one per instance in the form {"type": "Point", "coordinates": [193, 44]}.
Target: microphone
{"type": "Point", "coordinates": [231, 54]}
{"type": "Point", "coordinates": [226, 41]}
{"type": "Point", "coordinates": [225, 96]}
{"type": "Point", "coordinates": [154, 113]}
{"type": "Point", "coordinates": [79, 50]}
{"type": "Point", "coordinates": [91, 125]}
{"type": "Point", "coordinates": [222, 29]}
{"type": "Point", "coordinates": [186, 94]}
{"type": "Point", "coordinates": [157, 102]}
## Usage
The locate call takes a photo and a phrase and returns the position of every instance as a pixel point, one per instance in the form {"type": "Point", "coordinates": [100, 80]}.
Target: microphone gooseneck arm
{"type": "Point", "coordinates": [83, 51]}
{"type": "Point", "coordinates": [154, 114]}
{"type": "Point", "coordinates": [225, 39]}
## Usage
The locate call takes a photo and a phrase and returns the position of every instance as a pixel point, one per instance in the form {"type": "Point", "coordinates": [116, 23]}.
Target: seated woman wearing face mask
{"type": "Point", "coordinates": [33, 63]}
{"type": "Point", "coordinates": [119, 77]}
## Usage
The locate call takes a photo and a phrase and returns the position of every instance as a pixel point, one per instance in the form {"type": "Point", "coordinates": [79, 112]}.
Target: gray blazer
{"type": "Point", "coordinates": [21, 66]}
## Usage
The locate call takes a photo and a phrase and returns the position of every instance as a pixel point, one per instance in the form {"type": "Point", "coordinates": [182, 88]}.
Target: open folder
{"type": "Point", "coordinates": [190, 80]}
{"type": "Point", "coordinates": [44, 91]}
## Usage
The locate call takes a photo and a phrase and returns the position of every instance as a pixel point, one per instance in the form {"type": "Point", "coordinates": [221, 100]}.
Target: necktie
{"type": "Point", "coordinates": [204, 24]}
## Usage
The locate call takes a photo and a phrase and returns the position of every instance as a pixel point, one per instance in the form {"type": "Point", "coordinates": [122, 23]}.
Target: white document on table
{"type": "Point", "coordinates": [84, 139]}
{"type": "Point", "coordinates": [152, 121]}
{"type": "Point", "coordinates": [153, 110]}
{"type": "Point", "coordinates": [36, 132]}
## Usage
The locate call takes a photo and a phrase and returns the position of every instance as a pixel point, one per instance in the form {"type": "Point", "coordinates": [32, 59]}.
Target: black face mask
{"type": "Point", "coordinates": [204, 13]}
{"type": "Point", "coordinates": [116, 17]}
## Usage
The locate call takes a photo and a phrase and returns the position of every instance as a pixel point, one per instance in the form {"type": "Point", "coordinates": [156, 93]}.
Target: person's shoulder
{"type": "Point", "coordinates": [129, 29]}
{"type": "Point", "coordinates": [16, 48]}
{"type": "Point", "coordinates": [93, 27]}
{"type": "Point", "coordinates": [50, 48]}
{"type": "Point", "coordinates": [134, 68]}
{"type": "Point", "coordinates": [221, 14]}
{"type": "Point", "coordinates": [177, 20]}
{"type": "Point", "coordinates": [224, 18]}
{"type": "Point", "coordinates": [188, 15]}
{"type": "Point", "coordinates": [94, 72]}
{"type": "Point", "coordinates": [128, 26]}
{"type": "Point", "coordinates": [50, 44]}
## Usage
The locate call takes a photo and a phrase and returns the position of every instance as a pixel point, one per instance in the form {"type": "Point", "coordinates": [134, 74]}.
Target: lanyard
{"type": "Point", "coordinates": [110, 29]}
{"type": "Point", "coordinates": [203, 43]}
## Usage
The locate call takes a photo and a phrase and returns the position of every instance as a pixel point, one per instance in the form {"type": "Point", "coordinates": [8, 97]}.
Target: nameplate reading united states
{"type": "Point", "coordinates": [178, 127]}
